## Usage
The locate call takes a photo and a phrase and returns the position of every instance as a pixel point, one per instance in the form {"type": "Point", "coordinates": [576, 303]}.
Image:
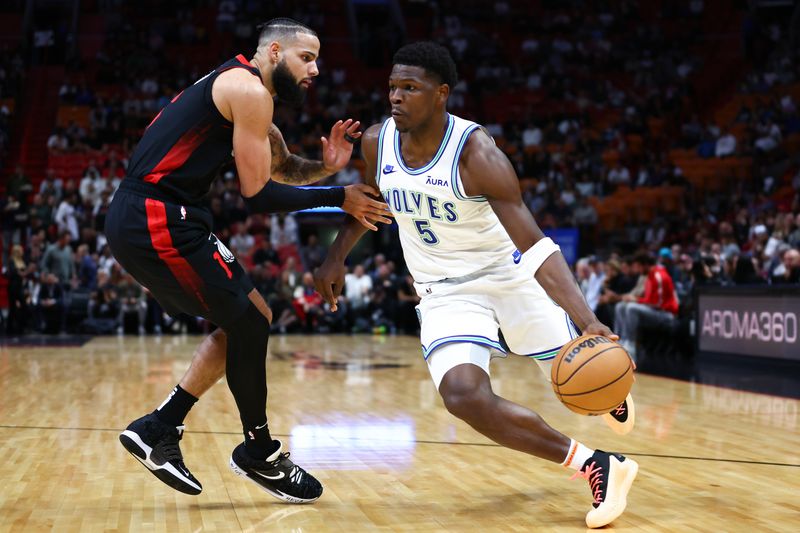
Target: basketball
{"type": "Point", "coordinates": [592, 375]}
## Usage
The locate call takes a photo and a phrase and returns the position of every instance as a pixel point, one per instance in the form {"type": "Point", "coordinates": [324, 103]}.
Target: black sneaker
{"type": "Point", "coordinates": [622, 418]}
{"type": "Point", "coordinates": [610, 476]}
{"type": "Point", "coordinates": [277, 475]}
{"type": "Point", "coordinates": [155, 445]}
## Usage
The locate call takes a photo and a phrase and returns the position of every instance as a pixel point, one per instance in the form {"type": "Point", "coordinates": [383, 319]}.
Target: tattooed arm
{"type": "Point", "coordinates": [291, 169]}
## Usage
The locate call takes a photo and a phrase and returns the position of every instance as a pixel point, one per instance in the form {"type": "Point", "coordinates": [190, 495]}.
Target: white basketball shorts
{"type": "Point", "coordinates": [474, 309]}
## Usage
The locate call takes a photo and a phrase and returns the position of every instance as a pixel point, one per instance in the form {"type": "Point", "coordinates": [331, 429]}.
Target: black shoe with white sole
{"type": "Point", "coordinates": [155, 444]}
{"type": "Point", "coordinates": [277, 475]}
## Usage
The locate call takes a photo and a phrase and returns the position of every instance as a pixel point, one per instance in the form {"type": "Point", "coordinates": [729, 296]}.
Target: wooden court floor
{"type": "Point", "coordinates": [361, 413]}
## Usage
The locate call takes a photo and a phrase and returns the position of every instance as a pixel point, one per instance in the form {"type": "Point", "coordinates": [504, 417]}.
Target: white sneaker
{"type": "Point", "coordinates": [610, 476]}
{"type": "Point", "coordinates": [622, 418]}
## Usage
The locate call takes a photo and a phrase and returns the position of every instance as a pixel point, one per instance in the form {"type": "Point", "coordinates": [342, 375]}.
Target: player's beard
{"type": "Point", "coordinates": [286, 86]}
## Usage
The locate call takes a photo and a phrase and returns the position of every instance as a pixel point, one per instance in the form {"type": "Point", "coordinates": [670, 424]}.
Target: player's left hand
{"type": "Point", "coordinates": [336, 150]}
{"type": "Point", "coordinates": [598, 328]}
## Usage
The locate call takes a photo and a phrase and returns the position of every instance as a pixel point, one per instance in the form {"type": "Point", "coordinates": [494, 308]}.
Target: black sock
{"type": "Point", "coordinates": [258, 442]}
{"type": "Point", "coordinates": [175, 407]}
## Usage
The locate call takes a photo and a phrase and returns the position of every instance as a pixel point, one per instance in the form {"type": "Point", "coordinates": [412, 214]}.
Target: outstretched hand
{"type": "Point", "coordinates": [360, 203]}
{"type": "Point", "coordinates": [336, 150]}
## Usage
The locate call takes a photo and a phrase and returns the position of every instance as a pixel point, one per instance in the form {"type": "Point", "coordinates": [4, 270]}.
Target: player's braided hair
{"type": "Point", "coordinates": [434, 58]}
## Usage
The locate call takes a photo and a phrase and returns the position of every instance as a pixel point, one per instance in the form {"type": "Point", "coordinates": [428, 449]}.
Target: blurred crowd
{"type": "Point", "coordinates": [583, 100]}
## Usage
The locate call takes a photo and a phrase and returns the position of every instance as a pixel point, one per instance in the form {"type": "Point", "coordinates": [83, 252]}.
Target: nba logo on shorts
{"type": "Point", "coordinates": [183, 213]}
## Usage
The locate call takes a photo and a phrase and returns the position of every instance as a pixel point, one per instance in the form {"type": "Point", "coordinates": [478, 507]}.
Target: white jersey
{"type": "Point", "coordinates": [444, 232]}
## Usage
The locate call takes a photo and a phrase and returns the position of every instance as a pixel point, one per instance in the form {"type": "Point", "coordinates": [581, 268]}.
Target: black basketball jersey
{"type": "Point", "coordinates": [184, 146]}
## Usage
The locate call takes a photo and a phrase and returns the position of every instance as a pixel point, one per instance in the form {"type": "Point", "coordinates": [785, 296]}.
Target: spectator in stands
{"type": "Point", "coordinates": [407, 301]}
{"type": "Point", "coordinates": [76, 136]}
{"type": "Point", "coordinates": [15, 272]}
{"type": "Point", "coordinates": [725, 145]}
{"type": "Point", "coordinates": [51, 185]}
{"type": "Point", "coordinates": [19, 185]}
{"type": "Point", "coordinates": [49, 304]}
{"type": "Point", "coordinates": [308, 303]}
{"type": "Point", "coordinates": [104, 306]}
{"type": "Point", "coordinates": [790, 271]}
{"type": "Point", "coordinates": [769, 136]}
{"type": "Point", "coordinates": [86, 268]}
{"type": "Point", "coordinates": [312, 254]}
{"type": "Point", "coordinates": [615, 284]}
{"type": "Point", "coordinates": [619, 175]}
{"type": "Point", "coordinates": [357, 289]}
{"type": "Point", "coordinates": [591, 276]}
{"type": "Point", "coordinates": [132, 301]}
{"type": "Point", "coordinates": [241, 242]}
{"type": "Point", "coordinates": [92, 183]}
{"type": "Point", "coordinates": [657, 307]}
{"type": "Point", "coordinates": [58, 143]}
{"type": "Point", "coordinates": [283, 311]}
{"type": "Point", "coordinates": [283, 233]}
{"type": "Point", "coordinates": [58, 260]}
{"type": "Point", "coordinates": [745, 272]}
{"type": "Point", "coordinates": [13, 219]}
{"type": "Point", "coordinates": [264, 253]}
{"type": "Point", "coordinates": [66, 216]}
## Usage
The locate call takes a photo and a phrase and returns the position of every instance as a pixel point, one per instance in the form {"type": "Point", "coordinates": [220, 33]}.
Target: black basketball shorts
{"type": "Point", "coordinates": [170, 249]}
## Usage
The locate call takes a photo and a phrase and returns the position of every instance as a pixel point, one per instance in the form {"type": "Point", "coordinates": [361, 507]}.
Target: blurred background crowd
{"type": "Point", "coordinates": [666, 132]}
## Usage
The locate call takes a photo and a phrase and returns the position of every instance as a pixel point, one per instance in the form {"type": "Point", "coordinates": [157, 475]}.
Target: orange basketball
{"type": "Point", "coordinates": [592, 375]}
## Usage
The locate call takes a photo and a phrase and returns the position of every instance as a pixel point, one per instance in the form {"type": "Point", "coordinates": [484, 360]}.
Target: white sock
{"type": "Point", "coordinates": [577, 455]}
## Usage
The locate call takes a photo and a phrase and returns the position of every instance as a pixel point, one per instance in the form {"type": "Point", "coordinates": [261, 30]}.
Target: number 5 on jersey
{"type": "Point", "coordinates": [425, 232]}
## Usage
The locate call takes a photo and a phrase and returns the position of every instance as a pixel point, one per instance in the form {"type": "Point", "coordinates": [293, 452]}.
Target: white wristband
{"type": "Point", "coordinates": [532, 259]}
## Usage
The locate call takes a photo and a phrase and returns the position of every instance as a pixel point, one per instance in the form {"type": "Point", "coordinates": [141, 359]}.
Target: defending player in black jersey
{"type": "Point", "coordinates": [161, 234]}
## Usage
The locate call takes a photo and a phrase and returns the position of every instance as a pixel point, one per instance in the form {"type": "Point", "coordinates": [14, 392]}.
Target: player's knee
{"type": "Point", "coordinates": [467, 399]}
{"type": "Point", "coordinates": [248, 330]}
{"type": "Point", "coordinates": [467, 405]}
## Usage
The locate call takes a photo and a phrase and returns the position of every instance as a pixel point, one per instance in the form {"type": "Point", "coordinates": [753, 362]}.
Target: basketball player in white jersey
{"type": "Point", "coordinates": [480, 262]}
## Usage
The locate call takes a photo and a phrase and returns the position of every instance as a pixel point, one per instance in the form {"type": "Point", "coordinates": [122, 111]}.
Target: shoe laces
{"type": "Point", "coordinates": [170, 449]}
{"type": "Point", "coordinates": [594, 475]}
{"type": "Point", "coordinates": [295, 474]}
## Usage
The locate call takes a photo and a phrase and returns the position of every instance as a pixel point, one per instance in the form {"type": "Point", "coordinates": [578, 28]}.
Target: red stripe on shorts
{"type": "Point", "coordinates": [162, 243]}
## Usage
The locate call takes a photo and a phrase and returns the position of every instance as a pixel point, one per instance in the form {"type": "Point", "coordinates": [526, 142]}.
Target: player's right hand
{"type": "Point", "coordinates": [598, 328]}
{"type": "Point", "coordinates": [359, 201]}
{"type": "Point", "coordinates": [329, 281]}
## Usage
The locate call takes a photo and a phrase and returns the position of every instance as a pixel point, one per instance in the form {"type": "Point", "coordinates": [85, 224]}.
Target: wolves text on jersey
{"type": "Point", "coordinates": [419, 204]}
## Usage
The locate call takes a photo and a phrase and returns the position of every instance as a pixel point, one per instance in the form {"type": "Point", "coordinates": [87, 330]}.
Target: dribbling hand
{"type": "Point", "coordinates": [598, 328]}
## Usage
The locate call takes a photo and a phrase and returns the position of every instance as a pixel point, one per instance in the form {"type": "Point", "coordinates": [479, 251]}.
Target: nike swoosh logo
{"type": "Point", "coordinates": [280, 475]}
{"type": "Point", "coordinates": [389, 171]}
